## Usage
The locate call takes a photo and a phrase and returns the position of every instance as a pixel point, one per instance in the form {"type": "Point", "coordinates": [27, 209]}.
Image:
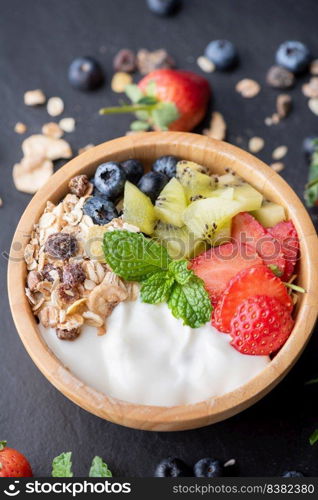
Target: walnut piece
{"type": "Point", "coordinates": [78, 185]}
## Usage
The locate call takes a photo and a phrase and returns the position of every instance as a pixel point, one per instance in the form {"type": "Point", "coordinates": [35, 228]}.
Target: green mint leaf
{"type": "Point", "coordinates": [180, 270]}
{"type": "Point", "coordinates": [133, 256]}
{"type": "Point", "coordinates": [148, 99]}
{"type": "Point", "coordinates": [151, 88]}
{"type": "Point", "coordinates": [139, 125]}
{"type": "Point", "coordinates": [3, 444]}
{"type": "Point", "coordinates": [311, 191]}
{"type": "Point", "coordinates": [314, 437]}
{"type": "Point", "coordinates": [62, 465]}
{"type": "Point", "coordinates": [275, 269]}
{"type": "Point", "coordinates": [133, 92]}
{"type": "Point", "coordinates": [164, 114]}
{"type": "Point", "coordinates": [99, 468]}
{"type": "Point", "coordinates": [191, 303]}
{"type": "Point", "coordinates": [157, 287]}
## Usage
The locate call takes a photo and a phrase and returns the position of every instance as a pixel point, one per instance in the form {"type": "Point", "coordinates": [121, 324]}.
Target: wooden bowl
{"type": "Point", "coordinates": [216, 155]}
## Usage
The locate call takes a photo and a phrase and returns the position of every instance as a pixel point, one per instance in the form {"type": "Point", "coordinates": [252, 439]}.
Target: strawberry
{"type": "Point", "coordinates": [218, 265]}
{"type": "Point", "coordinates": [257, 280]}
{"type": "Point", "coordinates": [286, 234]}
{"type": "Point", "coordinates": [13, 463]}
{"type": "Point", "coordinates": [260, 325]}
{"type": "Point", "coordinates": [247, 229]}
{"type": "Point", "coordinates": [167, 99]}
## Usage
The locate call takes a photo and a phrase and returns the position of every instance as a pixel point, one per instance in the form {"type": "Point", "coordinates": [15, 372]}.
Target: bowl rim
{"type": "Point", "coordinates": [206, 151]}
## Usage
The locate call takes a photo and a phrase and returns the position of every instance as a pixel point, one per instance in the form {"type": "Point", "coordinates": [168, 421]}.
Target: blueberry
{"type": "Point", "coordinates": [208, 467]}
{"type": "Point", "coordinates": [172, 467]}
{"type": "Point", "coordinates": [310, 145]}
{"type": "Point", "coordinates": [100, 210]}
{"type": "Point", "coordinates": [163, 7]}
{"type": "Point", "coordinates": [85, 73]}
{"type": "Point", "coordinates": [166, 165]}
{"type": "Point", "coordinates": [152, 184]}
{"type": "Point", "coordinates": [294, 56]}
{"type": "Point", "coordinates": [110, 179]}
{"type": "Point", "coordinates": [222, 53]}
{"type": "Point", "coordinates": [292, 473]}
{"type": "Point", "coordinates": [133, 170]}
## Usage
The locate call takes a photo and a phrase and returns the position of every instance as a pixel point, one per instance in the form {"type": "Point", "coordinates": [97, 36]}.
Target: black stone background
{"type": "Point", "coordinates": [38, 40]}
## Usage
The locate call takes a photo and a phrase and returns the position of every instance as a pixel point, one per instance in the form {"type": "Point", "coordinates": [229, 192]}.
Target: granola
{"type": "Point", "coordinates": [66, 286]}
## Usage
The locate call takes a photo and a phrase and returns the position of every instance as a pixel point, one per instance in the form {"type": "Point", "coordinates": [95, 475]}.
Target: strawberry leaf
{"type": "Point", "coordinates": [133, 92]}
{"type": "Point", "coordinates": [139, 125]}
{"type": "Point", "coordinates": [3, 444]}
{"type": "Point", "coordinates": [164, 114]}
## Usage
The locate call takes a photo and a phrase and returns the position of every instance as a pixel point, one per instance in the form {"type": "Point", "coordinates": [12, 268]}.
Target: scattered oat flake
{"type": "Point", "coordinates": [275, 118]}
{"type": "Point", "coordinates": [67, 124]}
{"type": "Point", "coordinates": [279, 152]}
{"type": "Point", "coordinates": [217, 129]}
{"type": "Point", "coordinates": [283, 105]}
{"type": "Point", "coordinates": [256, 144]}
{"type": "Point", "coordinates": [277, 166]}
{"type": "Point", "coordinates": [268, 121]}
{"type": "Point", "coordinates": [20, 128]}
{"type": "Point", "coordinates": [310, 89]}
{"type": "Point", "coordinates": [85, 148]}
{"type": "Point", "coordinates": [248, 88]}
{"type": "Point", "coordinates": [1, 202]}
{"type": "Point", "coordinates": [52, 129]}
{"type": "Point", "coordinates": [55, 106]}
{"type": "Point", "coordinates": [313, 105]}
{"type": "Point", "coordinates": [314, 67]}
{"type": "Point", "coordinates": [48, 147]}
{"type": "Point", "coordinates": [34, 97]}
{"type": "Point", "coordinates": [205, 64]}
{"type": "Point", "coordinates": [30, 181]}
{"type": "Point", "coordinates": [120, 81]}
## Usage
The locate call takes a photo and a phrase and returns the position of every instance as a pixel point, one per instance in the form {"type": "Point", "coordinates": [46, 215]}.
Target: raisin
{"type": "Point", "coordinates": [48, 276]}
{"type": "Point", "coordinates": [125, 60]}
{"type": "Point", "coordinates": [61, 245]}
{"type": "Point", "coordinates": [73, 274]}
{"type": "Point", "coordinates": [67, 294]}
{"type": "Point", "coordinates": [67, 334]}
{"type": "Point", "coordinates": [78, 185]}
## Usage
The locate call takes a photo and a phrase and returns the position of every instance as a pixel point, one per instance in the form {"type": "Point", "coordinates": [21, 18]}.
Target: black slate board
{"type": "Point", "coordinates": [38, 39]}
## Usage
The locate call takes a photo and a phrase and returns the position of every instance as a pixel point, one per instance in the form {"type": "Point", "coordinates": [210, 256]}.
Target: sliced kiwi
{"type": "Point", "coordinates": [248, 197]}
{"type": "Point", "coordinates": [229, 179]}
{"type": "Point", "coordinates": [222, 235]}
{"type": "Point", "coordinates": [206, 217]}
{"type": "Point", "coordinates": [226, 192]}
{"type": "Point", "coordinates": [270, 214]}
{"type": "Point", "coordinates": [195, 182]}
{"type": "Point", "coordinates": [179, 241]}
{"type": "Point", "coordinates": [138, 209]}
{"type": "Point", "coordinates": [171, 203]}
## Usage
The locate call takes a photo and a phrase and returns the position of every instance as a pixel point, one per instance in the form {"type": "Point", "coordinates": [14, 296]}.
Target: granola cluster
{"type": "Point", "coordinates": [67, 286]}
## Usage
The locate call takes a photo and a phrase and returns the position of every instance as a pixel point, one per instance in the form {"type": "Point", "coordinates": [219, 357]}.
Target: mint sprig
{"type": "Point", "coordinates": [134, 257]}
{"type": "Point", "coordinates": [99, 468]}
{"type": "Point", "coordinates": [311, 190]}
{"type": "Point", "coordinates": [313, 438]}
{"type": "Point", "coordinates": [62, 465]}
{"type": "Point", "coordinates": [148, 109]}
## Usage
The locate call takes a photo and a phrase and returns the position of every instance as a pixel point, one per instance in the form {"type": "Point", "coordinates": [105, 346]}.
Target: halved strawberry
{"type": "Point", "coordinates": [260, 326]}
{"type": "Point", "coordinates": [217, 266]}
{"type": "Point", "coordinates": [247, 229]}
{"type": "Point", "coordinates": [286, 234]}
{"type": "Point", "coordinates": [257, 280]}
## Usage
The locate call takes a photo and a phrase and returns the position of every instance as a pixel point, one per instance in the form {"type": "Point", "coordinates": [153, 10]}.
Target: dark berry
{"type": "Point", "coordinates": [310, 145]}
{"type": "Point", "coordinates": [61, 245]}
{"type": "Point", "coordinates": [73, 274]}
{"type": "Point", "coordinates": [294, 56]}
{"type": "Point", "coordinates": [163, 7]}
{"type": "Point", "coordinates": [152, 184]}
{"type": "Point", "coordinates": [172, 467]}
{"type": "Point", "coordinates": [78, 185]}
{"type": "Point", "coordinates": [166, 165]}
{"type": "Point", "coordinates": [100, 210]}
{"type": "Point", "coordinates": [64, 334]}
{"type": "Point", "coordinates": [292, 473]}
{"type": "Point", "coordinates": [85, 73]}
{"type": "Point", "coordinates": [280, 78]}
{"type": "Point", "coordinates": [110, 179]}
{"type": "Point", "coordinates": [134, 170]}
{"type": "Point", "coordinates": [125, 60]}
{"type": "Point", "coordinates": [222, 53]}
{"type": "Point", "coordinates": [208, 467]}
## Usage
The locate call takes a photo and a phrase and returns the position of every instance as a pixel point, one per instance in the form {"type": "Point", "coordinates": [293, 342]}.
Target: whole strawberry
{"type": "Point", "coordinates": [166, 99]}
{"type": "Point", "coordinates": [13, 463]}
{"type": "Point", "coordinates": [260, 325]}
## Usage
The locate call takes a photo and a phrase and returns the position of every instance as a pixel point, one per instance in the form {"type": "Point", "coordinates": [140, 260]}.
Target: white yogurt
{"type": "Point", "coordinates": [149, 357]}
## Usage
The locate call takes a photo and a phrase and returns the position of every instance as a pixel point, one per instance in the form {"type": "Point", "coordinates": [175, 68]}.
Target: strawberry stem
{"type": "Point", "coordinates": [129, 108]}
{"type": "Point", "coordinates": [295, 287]}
